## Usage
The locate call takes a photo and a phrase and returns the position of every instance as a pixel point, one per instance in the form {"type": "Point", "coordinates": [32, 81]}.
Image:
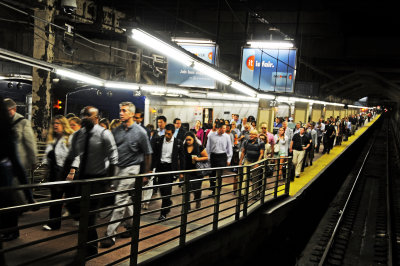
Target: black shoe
{"type": "Point", "coordinates": [310, 163]}
{"type": "Point", "coordinates": [297, 176]}
{"type": "Point", "coordinates": [9, 236]}
{"type": "Point", "coordinates": [106, 243]}
{"type": "Point", "coordinates": [162, 217]}
{"type": "Point", "coordinates": [127, 233]}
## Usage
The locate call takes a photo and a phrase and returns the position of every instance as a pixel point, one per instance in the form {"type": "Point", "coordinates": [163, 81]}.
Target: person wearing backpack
{"type": "Point", "coordinates": [252, 151]}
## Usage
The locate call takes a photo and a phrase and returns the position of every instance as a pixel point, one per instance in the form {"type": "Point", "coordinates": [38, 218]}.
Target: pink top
{"type": "Point", "coordinates": [200, 135]}
{"type": "Point", "coordinates": [270, 138]}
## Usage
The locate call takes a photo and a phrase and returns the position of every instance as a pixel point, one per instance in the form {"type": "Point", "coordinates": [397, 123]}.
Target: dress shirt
{"type": "Point", "coordinates": [166, 152]}
{"type": "Point", "coordinates": [176, 132]}
{"type": "Point", "coordinates": [219, 144]}
{"type": "Point", "coordinates": [132, 143]}
{"type": "Point", "coordinates": [101, 147]}
{"type": "Point", "coordinates": [161, 132]}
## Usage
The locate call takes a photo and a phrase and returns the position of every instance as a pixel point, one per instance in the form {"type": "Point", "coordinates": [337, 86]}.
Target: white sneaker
{"type": "Point", "coordinates": [47, 228]}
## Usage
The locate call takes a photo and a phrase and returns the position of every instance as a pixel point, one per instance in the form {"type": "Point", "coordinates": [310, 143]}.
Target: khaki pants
{"type": "Point", "coordinates": [298, 157]}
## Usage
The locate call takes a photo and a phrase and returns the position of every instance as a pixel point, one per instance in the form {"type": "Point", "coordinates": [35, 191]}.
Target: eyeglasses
{"type": "Point", "coordinates": [188, 139]}
{"type": "Point", "coordinates": [263, 128]}
{"type": "Point", "coordinates": [136, 117]}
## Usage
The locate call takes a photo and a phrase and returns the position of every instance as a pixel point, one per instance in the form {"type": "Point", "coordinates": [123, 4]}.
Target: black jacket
{"type": "Point", "coordinates": [178, 157]}
{"type": "Point", "coordinates": [181, 134]}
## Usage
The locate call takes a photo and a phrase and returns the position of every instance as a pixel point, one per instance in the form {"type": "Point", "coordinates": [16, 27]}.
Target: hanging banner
{"type": "Point", "coordinates": [181, 75]}
{"type": "Point", "coordinates": [269, 69]}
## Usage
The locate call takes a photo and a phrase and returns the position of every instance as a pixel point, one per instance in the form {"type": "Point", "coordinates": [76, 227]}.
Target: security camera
{"type": "Point", "coordinates": [68, 6]}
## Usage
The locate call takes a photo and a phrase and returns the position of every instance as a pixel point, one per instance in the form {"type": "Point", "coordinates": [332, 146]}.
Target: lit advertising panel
{"type": "Point", "coordinates": [269, 69]}
{"type": "Point", "coordinates": [181, 75]}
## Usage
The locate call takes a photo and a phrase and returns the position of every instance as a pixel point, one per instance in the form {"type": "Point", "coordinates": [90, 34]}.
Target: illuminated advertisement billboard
{"type": "Point", "coordinates": [269, 69]}
{"type": "Point", "coordinates": [184, 76]}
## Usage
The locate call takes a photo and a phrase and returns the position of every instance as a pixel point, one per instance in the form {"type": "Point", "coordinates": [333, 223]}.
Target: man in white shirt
{"type": "Point", "coordinates": [168, 156]}
{"type": "Point", "coordinates": [220, 149]}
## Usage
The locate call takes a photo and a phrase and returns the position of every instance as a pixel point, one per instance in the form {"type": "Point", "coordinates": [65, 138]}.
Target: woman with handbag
{"type": "Point", "coordinates": [58, 143]}
{"type": "Point", "coordinates": [195, 155]}
{"type": "Point", "coordinates": [281, 148]}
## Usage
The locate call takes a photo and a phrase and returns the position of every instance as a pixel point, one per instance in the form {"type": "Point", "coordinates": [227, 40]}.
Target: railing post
{"type": "Point", "coordinates": [264, 181]}
{"type": "Point", "coordinates": [240, 197]}
{"type": "Point", "coordinates": [217, 199]}
{"type": "Point", "coordinates": [288, 167]}
{"type": "Point", "coordinates": [137, 207]}
{"type": "Point", "coordinates": [185, 208]}
{"type": "Point", "coordinates": [83, 223]}
{"type": "Point", "coordinates": [278, 165]}
{"type": "Point", "coordinates": [246, 195]}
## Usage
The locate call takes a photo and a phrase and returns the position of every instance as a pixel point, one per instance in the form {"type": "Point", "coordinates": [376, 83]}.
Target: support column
{"type": "Point", "coordinates": [133, 68]}
{"type": "Point", "coordinates": [308, 112]}
{"type": "Point", "coordinates": [43, 41]}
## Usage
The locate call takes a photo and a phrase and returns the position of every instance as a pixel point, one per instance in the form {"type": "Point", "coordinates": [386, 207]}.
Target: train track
{"type": "Point", "coordinates": [362, 225]}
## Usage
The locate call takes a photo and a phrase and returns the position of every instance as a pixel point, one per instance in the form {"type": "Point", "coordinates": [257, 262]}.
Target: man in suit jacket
{"type": "Point", "coordinates": [167, 156]}
{"type": "Point", "coordinates": [179, 130]}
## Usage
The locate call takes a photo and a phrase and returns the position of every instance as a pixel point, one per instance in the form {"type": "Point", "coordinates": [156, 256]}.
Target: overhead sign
{"type": "Point", "coordinates": [181, 75]}
{"type": "Point", "coordinates": [269, 69]}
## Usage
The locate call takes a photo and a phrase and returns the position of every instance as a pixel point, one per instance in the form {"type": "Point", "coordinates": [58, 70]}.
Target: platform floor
{"type": "Point", "coordinates": [31, 234]}
{"type": "Point", "coordinates": [321, 162]}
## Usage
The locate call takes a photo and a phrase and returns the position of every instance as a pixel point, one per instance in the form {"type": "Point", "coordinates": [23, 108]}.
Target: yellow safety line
{"type": "Point", "coordinates": [311, 171]}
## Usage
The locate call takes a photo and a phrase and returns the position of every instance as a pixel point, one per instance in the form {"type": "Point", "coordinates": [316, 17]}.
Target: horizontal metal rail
{"type": "Point", "coordinates": [229, 204]}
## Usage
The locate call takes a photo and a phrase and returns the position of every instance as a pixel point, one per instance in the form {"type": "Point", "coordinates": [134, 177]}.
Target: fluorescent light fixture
{"type": "Point", "coordinates": [215, 95]}
{"type": "Point", "coordinates": [177, 91]}
{"type": "Point", "coordinates": [243, 88]}
{"type": "Point", "coordinates": [154, 89]}
{"type": "Point", "coordinates": [284, 99]}
{"type": "Point", "coordinates": [192, 41]}
{"type": "Point", "coordinates": [162, 47]}
{"type": "Point", "coordinates": [80, 77]}
{"type": "Point", "coordinates": [211, 72]}
{"type": "Point", "coordinates": [218, 104]}
{"type": "Point", "coordinates": [206, 104]}
{"type": "Point", "coordinates": [265, 96]}
{"type": "Point", "coordinates": [197, 95]}
{"type": "Point", "coordinates": [121, 85]}
{"type": "Point", "coordinates": [270, 44]}
{"type": "Point", "coordinates": [169, 102]}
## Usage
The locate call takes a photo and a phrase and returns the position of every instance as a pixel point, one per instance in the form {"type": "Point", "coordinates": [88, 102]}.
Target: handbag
{"type": "Point", "coordinates": [276, 147]}
{"type": "Point", "coordinates": [204, 165]}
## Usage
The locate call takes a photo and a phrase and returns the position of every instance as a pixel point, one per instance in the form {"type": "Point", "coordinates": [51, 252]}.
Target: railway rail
{"type": "Point", "coordinates": [362, 225]}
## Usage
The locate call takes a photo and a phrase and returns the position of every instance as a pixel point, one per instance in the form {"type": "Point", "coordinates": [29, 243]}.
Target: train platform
{"type": "Point", "coordinates": [321, 162]}
{"type": "Point", "coordinates": [153, 233]}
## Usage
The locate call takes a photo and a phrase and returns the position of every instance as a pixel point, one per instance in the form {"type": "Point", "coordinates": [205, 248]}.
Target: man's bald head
{"type": "Point", "coordinates": [89, 113]}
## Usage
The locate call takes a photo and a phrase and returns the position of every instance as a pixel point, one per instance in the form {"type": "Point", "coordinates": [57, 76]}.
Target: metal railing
{"type": "Point", "coordinates": [239, 190]}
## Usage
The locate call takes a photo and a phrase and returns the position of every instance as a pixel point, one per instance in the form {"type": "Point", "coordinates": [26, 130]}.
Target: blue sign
{"type": "Point", "coordinates": [184, 76]}
{"type": "Point", "coordinates": [269, 69]}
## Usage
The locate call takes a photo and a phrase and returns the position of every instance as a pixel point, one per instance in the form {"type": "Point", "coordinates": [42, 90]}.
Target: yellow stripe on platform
{"type": "Point", "coordinates": [312, 171]}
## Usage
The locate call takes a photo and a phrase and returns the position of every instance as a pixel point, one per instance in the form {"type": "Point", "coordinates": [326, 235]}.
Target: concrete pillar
{"type": "Point", "coordinates": [300, 112]}
{"type": "Point", "coordinates": [266, 114]}
{"type": "Point", "coordinates": [132, 73]}
{"type": "Point", "coordinates": [41, 83]}
{"type": "Point", "coordinates": [309, 109]}
{"type": "Point", "coordinates": [316, 112]}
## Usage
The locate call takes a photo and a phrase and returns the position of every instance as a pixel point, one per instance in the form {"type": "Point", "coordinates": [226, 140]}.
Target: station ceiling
{"type": "Point", "coordinates": [350, 48]}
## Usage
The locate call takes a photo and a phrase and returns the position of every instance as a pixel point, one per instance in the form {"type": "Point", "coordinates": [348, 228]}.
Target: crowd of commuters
{"type": "Point", "coordinates": [88, 147]}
